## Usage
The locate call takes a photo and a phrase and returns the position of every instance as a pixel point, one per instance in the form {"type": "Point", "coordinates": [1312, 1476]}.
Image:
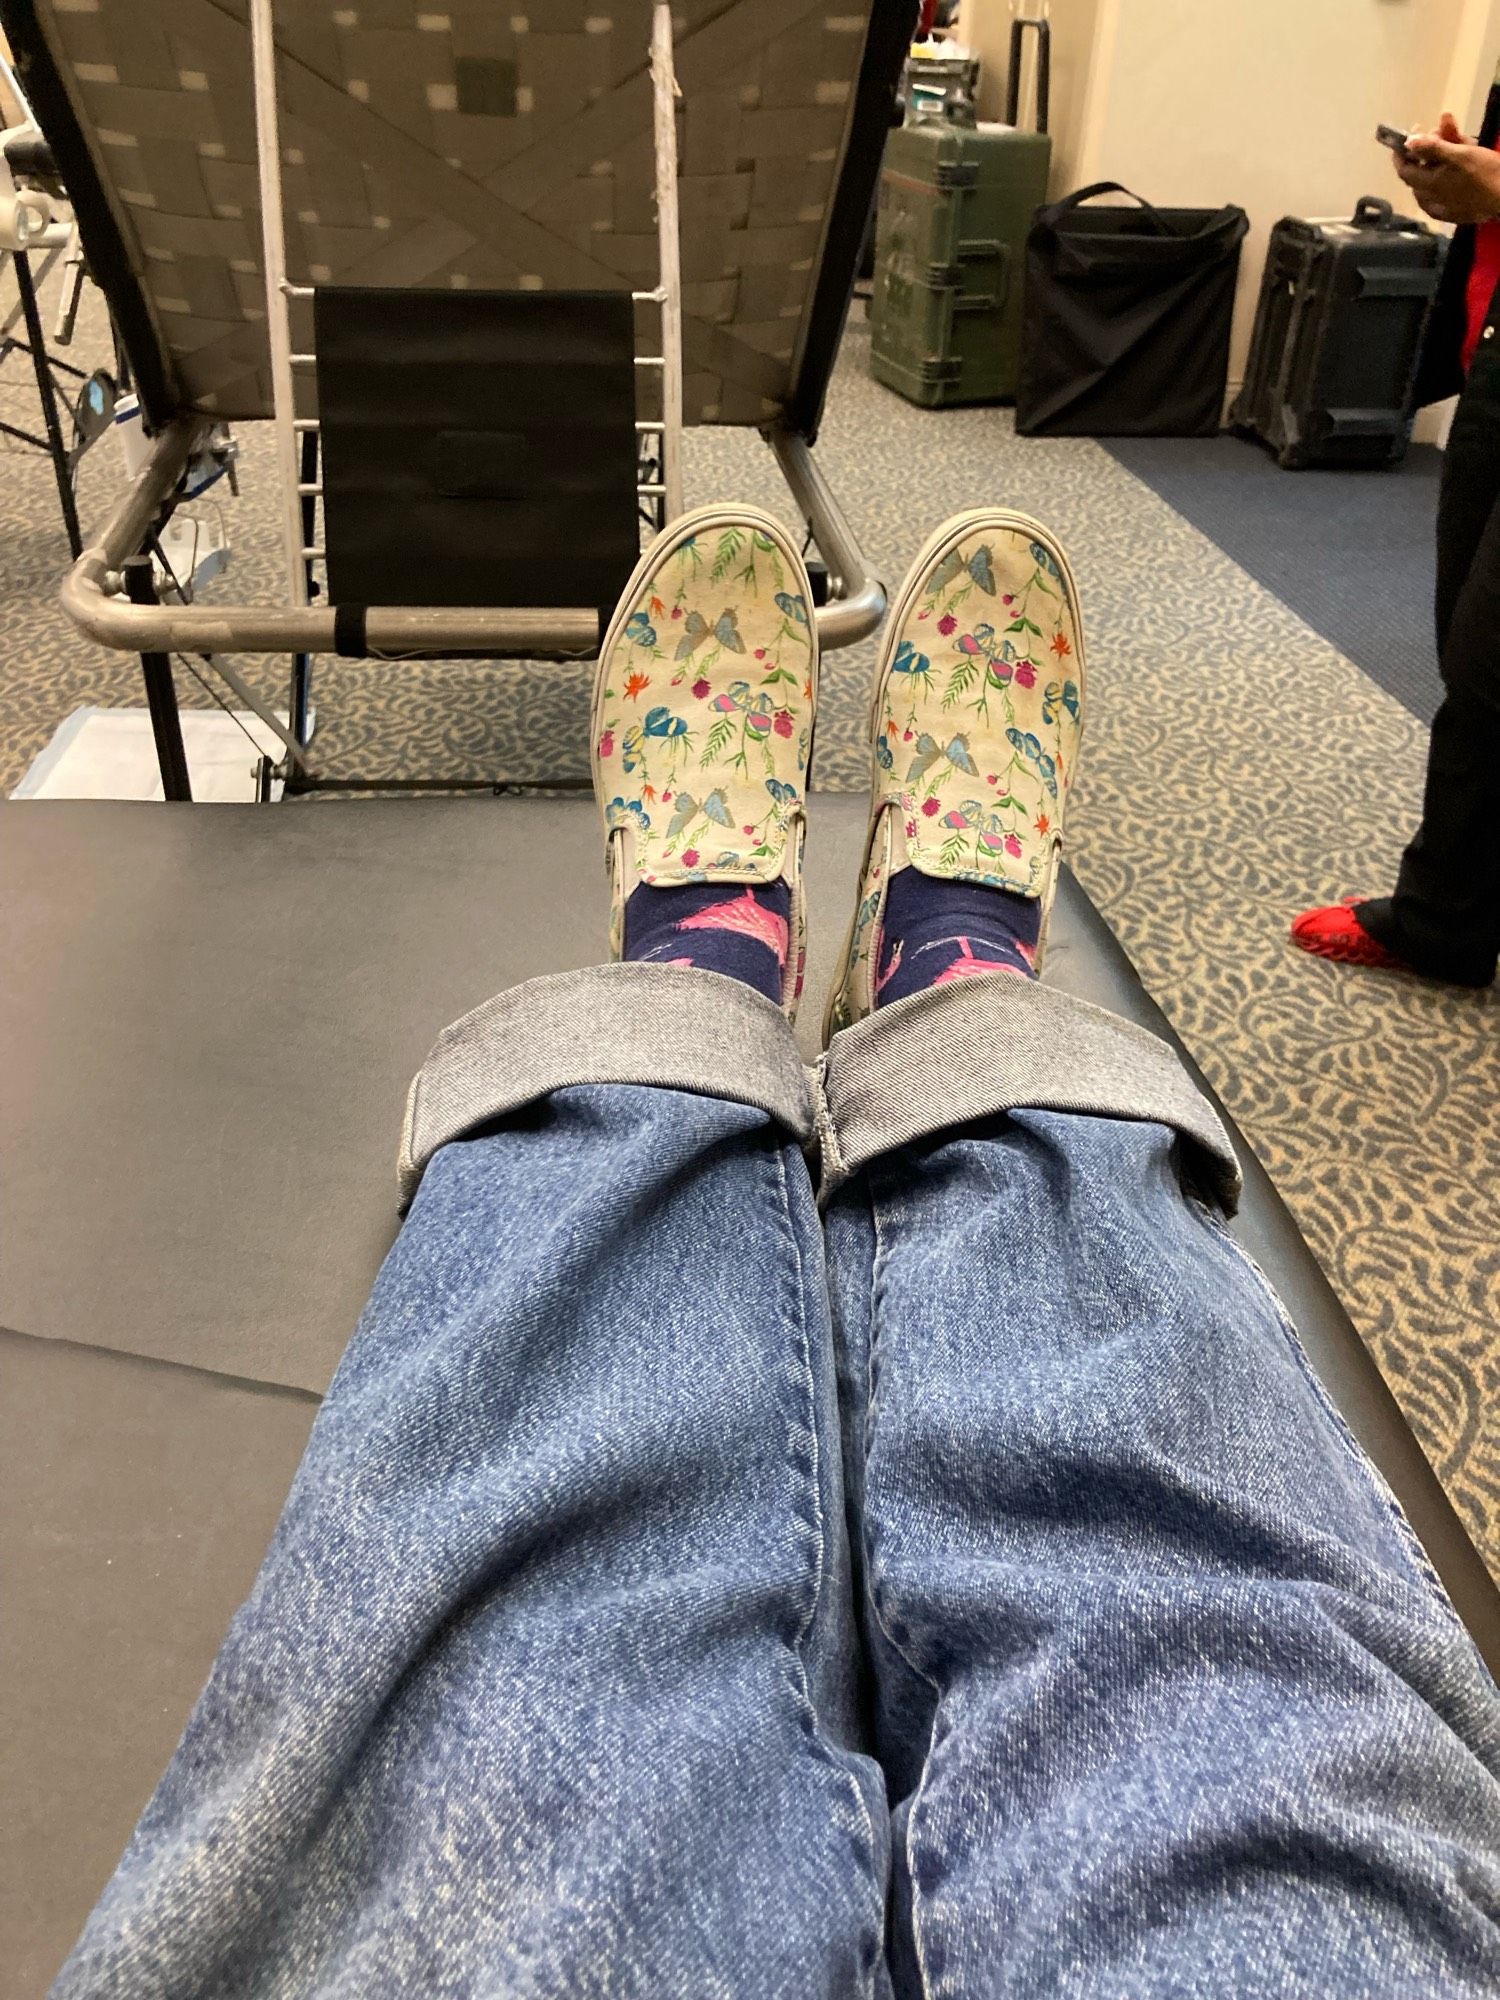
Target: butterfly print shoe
{"type": "Point", "coordinates": [703, 715]}
{"type": "Point", "coordinates": [975, 724]}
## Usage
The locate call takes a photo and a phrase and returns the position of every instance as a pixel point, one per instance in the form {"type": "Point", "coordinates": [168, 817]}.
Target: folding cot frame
{"type": "Point", "coordinates": [109, 592]}
{"type": "Point", "coordinates": [57, 381]}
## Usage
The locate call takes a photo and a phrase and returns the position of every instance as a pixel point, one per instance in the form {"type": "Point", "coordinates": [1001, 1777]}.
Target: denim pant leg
{"type": "Point", "coordinates": [1169, 1701]}
{"type": "Point", "coordinates": [544, 1688]}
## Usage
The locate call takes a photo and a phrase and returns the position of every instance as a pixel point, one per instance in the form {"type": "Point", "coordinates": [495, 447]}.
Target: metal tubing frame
{"type": "Point", "coordinates": [299, 690]}
{"type": "Point", "coordinates": [62, 464]}
{"type": "Point", "coordinates": [92, 597]}
{"type": "Point", "coordinates": [669, 251]}
{"type": "Point", "coordinates": [278, 293]}
{"type": "Point", "coordinates": [38, 279]}
{"type": "Point", "coordinates": [161, 695]}
{"type": "Point", "coordinates": [300, 548]}
{"type": "Point", "coordinates": [24, 437]}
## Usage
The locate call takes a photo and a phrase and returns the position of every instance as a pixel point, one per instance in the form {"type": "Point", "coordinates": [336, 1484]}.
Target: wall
{"type": "Point", "coordinates": [985, 26]}
{"type": "Point", "coordinates": [10, 111]}
{"type": "Point", "coordinates": [1272, 106]}
{"type": "Point", "coordinates": [1476, 54]}
{"type": "Point", "coordinates": [1269, 103]}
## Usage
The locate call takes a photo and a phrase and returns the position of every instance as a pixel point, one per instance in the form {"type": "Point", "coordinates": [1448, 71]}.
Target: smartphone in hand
{"type": "Point", "coordinates": [1395, 138]}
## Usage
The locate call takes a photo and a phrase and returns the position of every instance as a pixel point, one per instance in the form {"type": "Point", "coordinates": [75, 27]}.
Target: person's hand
{"type": "Point", "coordinates": [1454, 179]}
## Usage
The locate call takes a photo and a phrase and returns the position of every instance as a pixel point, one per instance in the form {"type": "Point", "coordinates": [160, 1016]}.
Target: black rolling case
{"type": "Point", "coordinates": [1338, 330]}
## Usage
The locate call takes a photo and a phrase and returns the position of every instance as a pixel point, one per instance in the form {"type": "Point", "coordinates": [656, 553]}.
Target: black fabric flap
{"type": "Point", "coordinates": [478, 447]}
{"type": "Point", "coordinates": [1104, 246]}
{"type": "Point", "coordinates": [481, 465]}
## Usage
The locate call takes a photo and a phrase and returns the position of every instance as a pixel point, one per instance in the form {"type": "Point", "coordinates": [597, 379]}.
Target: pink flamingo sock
{"type": "Point", "coordinates": [936, 932]}
{"type": "Point", "coordinates": [740, 931]}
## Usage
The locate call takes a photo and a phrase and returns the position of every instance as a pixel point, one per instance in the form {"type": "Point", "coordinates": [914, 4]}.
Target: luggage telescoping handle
{"type": "Point", "coordinates": [1043, 71]}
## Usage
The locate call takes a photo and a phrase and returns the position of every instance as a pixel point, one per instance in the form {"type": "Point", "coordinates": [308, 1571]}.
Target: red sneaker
{"type": "Point", "coordinates": [1335, 932]}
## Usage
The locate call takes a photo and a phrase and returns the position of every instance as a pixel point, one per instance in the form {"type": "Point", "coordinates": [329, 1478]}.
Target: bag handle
{"type": "Point", "coordinates": [1096, 188]}
{"type": "Point", "coordinates": [1113, 187]}
{"type": "Point", "coordinates": [1083, 194]}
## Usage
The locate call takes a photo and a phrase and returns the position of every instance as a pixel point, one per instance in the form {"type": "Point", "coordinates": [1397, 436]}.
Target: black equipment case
{"type": "Point", "coordinates": [956, 203]}
{"type": "Point", "coordinates": [1338, 331]}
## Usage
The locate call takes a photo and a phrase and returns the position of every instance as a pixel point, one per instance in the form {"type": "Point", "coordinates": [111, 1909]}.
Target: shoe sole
{"type": "Point", "coordinates": [1343, 954]}
{"type": "Point", "coordinates": [952, 530]}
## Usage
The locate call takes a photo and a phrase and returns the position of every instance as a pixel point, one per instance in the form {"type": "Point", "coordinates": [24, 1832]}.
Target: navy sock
{"type": "Point", "coordinates": [737, 929]}
{"type": "Point", "coordinates": [935, 932]}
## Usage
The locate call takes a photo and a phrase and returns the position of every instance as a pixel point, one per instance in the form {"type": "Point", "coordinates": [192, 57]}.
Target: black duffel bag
{"type": "Point", "coordinates": [1126, 325]}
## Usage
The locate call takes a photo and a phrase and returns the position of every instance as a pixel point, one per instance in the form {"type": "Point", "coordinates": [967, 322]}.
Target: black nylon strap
{"type": "Point", "coordinates": [1096, 188]}
{"type": "Point", "coordinates": [349, 632]}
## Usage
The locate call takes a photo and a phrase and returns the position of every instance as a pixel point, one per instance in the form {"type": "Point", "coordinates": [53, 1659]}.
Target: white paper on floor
{"type": "Point", "coordinates": [110, 753]}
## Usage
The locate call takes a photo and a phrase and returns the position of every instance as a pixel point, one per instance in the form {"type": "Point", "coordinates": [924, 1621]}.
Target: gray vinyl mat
{"type": "Point", "coordinates": [1237, 765]}
{"type": "Point", "coordinates": [136, 1501]}
{"type": "Point", "coordinates": [1351, 552]}
{"type": "Point", "coordinates": [211, 1015]}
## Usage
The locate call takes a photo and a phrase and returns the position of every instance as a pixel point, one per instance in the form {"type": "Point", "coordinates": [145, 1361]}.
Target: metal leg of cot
{"type": "Point", "coordinates": [47, 390]}
{"type": "Point", "coordinates": [161, 691]}
{"type": "Point", "coordinates": [299, 701]}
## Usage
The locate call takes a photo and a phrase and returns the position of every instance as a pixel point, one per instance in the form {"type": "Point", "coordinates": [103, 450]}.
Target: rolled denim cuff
{"type": "Point", "coordinates": [980, 1047]}
{"type": "Point", "coordinates": [672, 1027]}
{"type": "Point", "coordinates": [939, 1059]}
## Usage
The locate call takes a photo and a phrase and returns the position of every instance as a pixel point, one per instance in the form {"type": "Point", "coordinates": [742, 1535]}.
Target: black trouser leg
{"type": "Point", "coordinates": [1445, 915]}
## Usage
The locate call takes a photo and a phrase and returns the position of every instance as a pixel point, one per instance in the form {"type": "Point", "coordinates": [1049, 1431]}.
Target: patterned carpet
{"type": "Point", "coordinates": [1235, 766]}
{"type": "Point", "coordinates": [1369, 592]}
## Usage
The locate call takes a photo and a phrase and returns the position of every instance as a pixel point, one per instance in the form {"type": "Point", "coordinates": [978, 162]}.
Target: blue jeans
{"type": "Point", "coordinates": [967, 1592]}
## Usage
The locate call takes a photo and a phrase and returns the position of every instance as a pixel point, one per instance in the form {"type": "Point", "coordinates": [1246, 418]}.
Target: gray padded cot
{"type": "Point", "coordinates": [208, 1018]}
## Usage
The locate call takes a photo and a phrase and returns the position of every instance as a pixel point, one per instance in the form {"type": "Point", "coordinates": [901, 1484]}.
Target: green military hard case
{"type": "Point", "coordinates": [955, 206]}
